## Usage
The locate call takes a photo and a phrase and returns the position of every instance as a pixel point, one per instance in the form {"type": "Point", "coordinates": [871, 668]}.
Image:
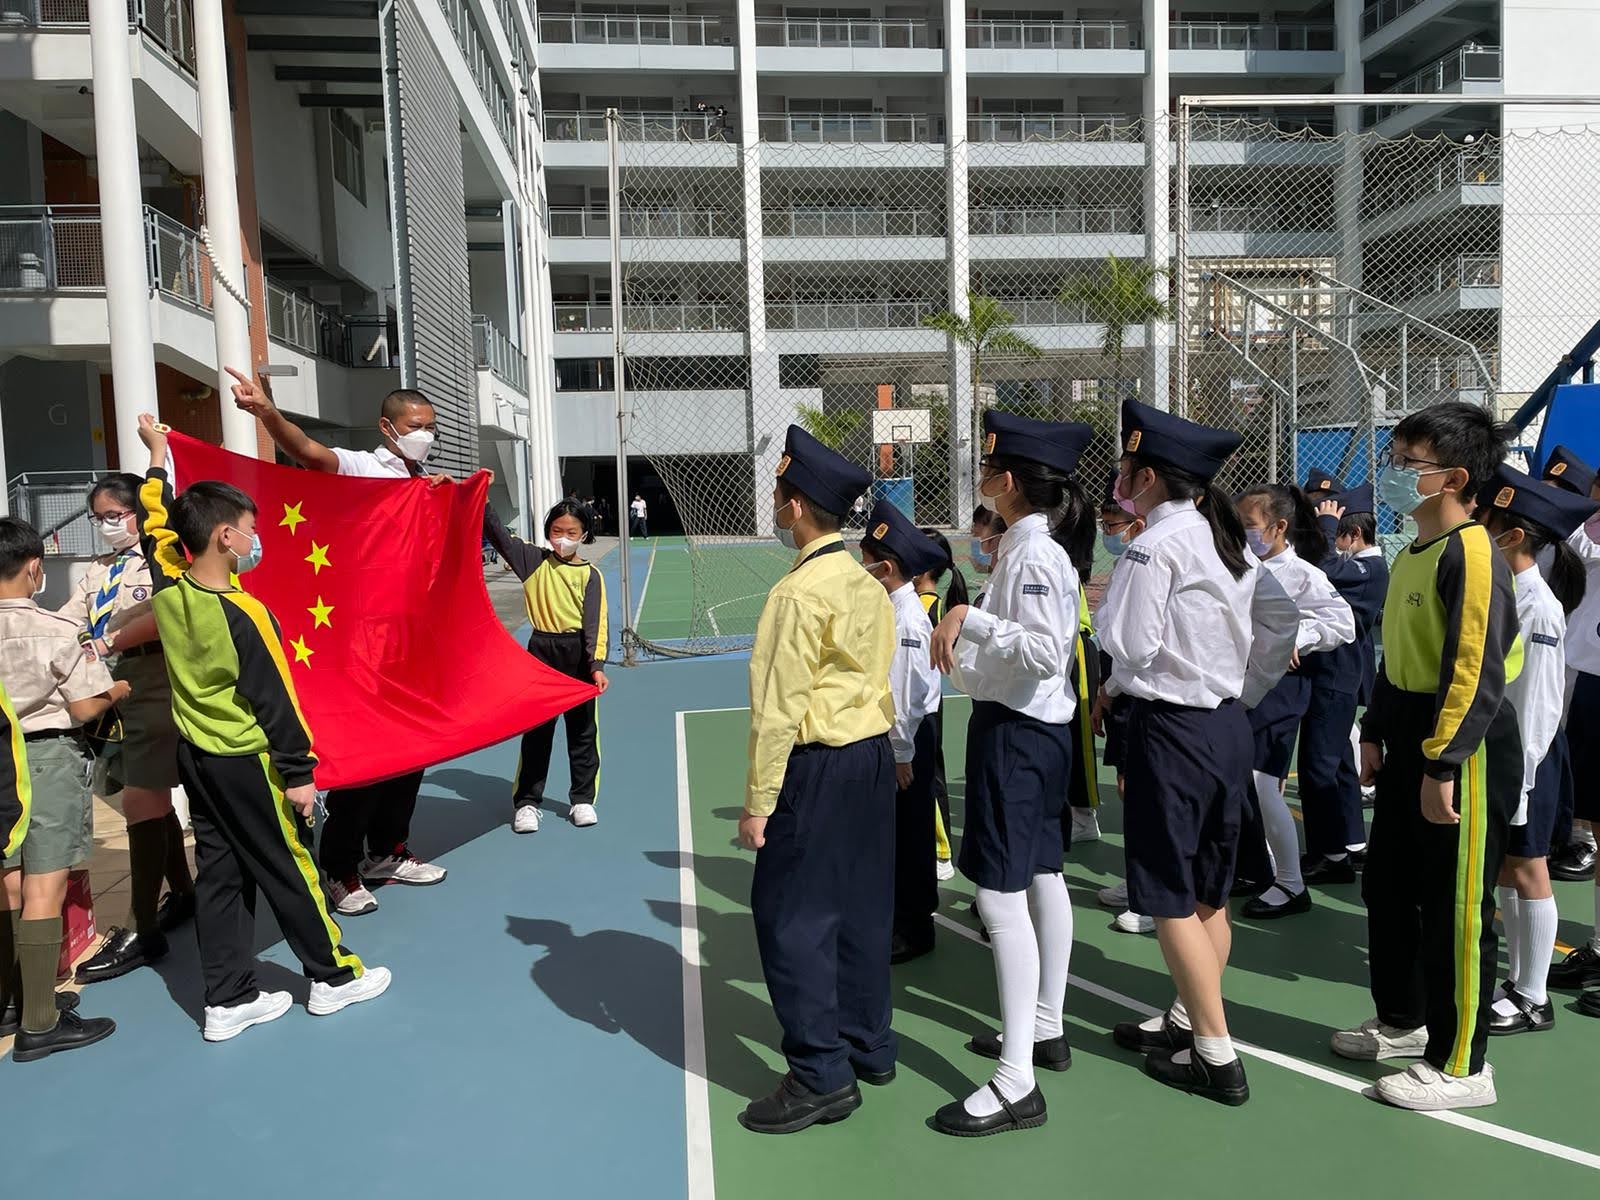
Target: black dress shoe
{"type": "Point", "coordinates": [794, 1107]}
{"type": "Point", "coordinates": [1358, 859]}
{"type": "Point", "coordinates": [1589, 1003]}
{"type": "Point", "coordinates": [1225, 1084]}
{"type": "Point", "coordinates": [1259, 910]}
{"type": "Point", "coordinates": [11, 1019]}
{"type": "Point", "coordinates": [1167, 1040]}
{"type": "Point", "coordinates": [1579, 969]}
{"type": "Point", "coordinates": [1315, 868]}
{"type": "Point", "coordinates": [903, 950]}
{"type": "Point", "coordinates": [1052, 1055]}
{"type": "Point", "coordinates": [1575, 862]}
{"type": "Point", "coordinates": [1027, 1113]}
{"type": "Point", "coordinates": [1247, 887]}
{"type": "Point", "coordinates": [176, 910]}
{"type": "Point", "coordinates": [124, 951]}
{"type": "Point", "coordinates": [1529, 1017]}
{"type": "Point", "coordinates": [71, 1032]}
{"type": "Point", "coordinates": [873, 1078]}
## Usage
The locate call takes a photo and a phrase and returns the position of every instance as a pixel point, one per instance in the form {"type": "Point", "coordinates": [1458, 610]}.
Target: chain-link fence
{"type": "Point", "coordinates": [1302, 286]}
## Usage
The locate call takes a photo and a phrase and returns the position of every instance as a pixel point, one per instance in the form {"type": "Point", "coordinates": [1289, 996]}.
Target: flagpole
{"type": "Point", "coordinates": [614, 218]}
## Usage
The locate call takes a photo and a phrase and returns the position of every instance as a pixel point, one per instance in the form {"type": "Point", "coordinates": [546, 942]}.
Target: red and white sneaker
{"type": "Point", "coordinates": [350, 897]}
{"type": "Point", "coordinates": [401, 867]}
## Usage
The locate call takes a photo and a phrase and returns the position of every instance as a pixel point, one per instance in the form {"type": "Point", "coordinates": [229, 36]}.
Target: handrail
{"type": "Point", "coordinates": [646, 222]}
{"type": "Point", "coordinates": [1051, 222]}
{"type": "Point", "coordinates": [641, 126]}
{"type": "Point", "coordinates": [167, 23]}
{"type": "Point", "coordinates": [495, 352]}
{"type": "Point", "coordinates": [1053, 127]}
{"type": "Point", "coordinates": [826, 33]}
{"type": "Point", "coordinates": [1376, 15]}
{"type": "Point", "coordinates": [1468, 167]}
{"type": "Point", "coordinates": [650, 318]}
{"type": "Point", "coordinates": [1464, 64]}
{"type": "Point", "coordinates": [1241, 35]}
{"type": "Point", "coordinates": [852, 127]}
{"type": "Point", "coordinates": [605, 29]}
{"type": "Point", "coordinates": [801, 221]}
{"type": "Point", "coordinates": [292, 319]}
{"type": "Point", "coordinates": [987, 34]}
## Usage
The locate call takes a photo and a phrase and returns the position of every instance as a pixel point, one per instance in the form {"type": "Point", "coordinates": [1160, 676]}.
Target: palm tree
{"type": "Point", "coordinates": [985, 331]}
{"type": "Point", "coordinates": [832, 429]}
{"type": "Point", "coordinates": [1120, 295]}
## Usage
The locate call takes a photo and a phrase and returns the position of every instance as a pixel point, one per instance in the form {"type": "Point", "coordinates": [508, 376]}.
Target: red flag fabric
{"type": "Point", "coordinates": [397, 654]}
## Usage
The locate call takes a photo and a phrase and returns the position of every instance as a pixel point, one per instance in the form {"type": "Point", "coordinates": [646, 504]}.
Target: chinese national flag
{"type": "Point", "coordinates": [377, 584]}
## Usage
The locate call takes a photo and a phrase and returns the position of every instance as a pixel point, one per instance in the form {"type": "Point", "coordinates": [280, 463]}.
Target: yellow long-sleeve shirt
{"type": "Point", "coordinates": [819, 671]}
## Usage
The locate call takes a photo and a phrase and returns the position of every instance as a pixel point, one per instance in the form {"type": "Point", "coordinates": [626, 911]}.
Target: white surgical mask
{"type": "Point", "coordinates": [786, 537]}
{"type": "Point", "coordinates": [564, 546]}
{"type": "Point", "coordinates": [115, 533]}
{"type": "Point", "coordinates": [40, 588]}
{"type": "Point", "coordinates": [987, 500]}
{"type": "Point", "coordinates": [415, 446]}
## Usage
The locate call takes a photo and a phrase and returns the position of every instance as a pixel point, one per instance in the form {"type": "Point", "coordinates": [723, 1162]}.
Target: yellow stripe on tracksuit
{"type": "Point", "coordinates": [22, 783]}
{"type": "Point", "coordinates": [1466, 670]}
{"type": "Point", "coordinates": [307, 868]}
{"type": "Point", "coordinates": [1472, 805]}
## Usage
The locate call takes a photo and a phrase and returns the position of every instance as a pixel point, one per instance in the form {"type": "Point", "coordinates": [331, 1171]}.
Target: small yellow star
{"type": "Point", "coordinates": [302, 652]}
{"type": "Point", "coordinates": [319, 614]}
{"type": "Point", "coordinates": [292, 516]}
{"type": "Point", "coordinates": [318, 558]}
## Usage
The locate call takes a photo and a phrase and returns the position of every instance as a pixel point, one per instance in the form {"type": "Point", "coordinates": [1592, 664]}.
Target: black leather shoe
{"type": "Point", "coordinates": [1166, 1040]}
{"type": "Point", "coordinates": [176, 910]}
{"type": "Point", "coordinates": [794, 1107]}
{"type": "Point", "coordinates": [1314, 868]}
{"type": "Point", "coordinates": [1358, 859]}
{"type": "Point", "coordinates": [70, 1033]}
{"type": "Point", "coordinates": [1259, 910]}
{"type": "Point", "coordinates": [1579, 969]}
{"type": "Point", "coordinates": [1225, 1084]}
{"type": "Point", "coordinates": [873, 1078]}
{"type": "Point", "coordinates": [1027, 1113]}
{"type": "Point", "coordinates": [11, 1019]}
{"type": "Point", "coordinates": [1051, 1055]}
{"type": "Point", "coordinates": [1589, 1003]}
{"type": "Point", "coordinates": [1247, 887]}
{"type": "Point", "coordinates": [903, 950]}
{"type": "Point", "coordinates": [1574, 862]}
{"type": "Point", "coordinates": [124, 951]}
{"type": "Point", "coordinates": [1529, 1017]}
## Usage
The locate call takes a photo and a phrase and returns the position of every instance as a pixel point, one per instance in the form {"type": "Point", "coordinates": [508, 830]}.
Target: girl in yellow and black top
{"type": "Point", "coordinates": [927, 585]}
{"type": "Point", "coordinates": [567, 607]}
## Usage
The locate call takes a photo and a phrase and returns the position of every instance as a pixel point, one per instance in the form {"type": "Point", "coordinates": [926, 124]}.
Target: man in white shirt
{"type": "Point", "coordinates": [641, 514]}
{"type": "Point", "coordinates": [366, 833]}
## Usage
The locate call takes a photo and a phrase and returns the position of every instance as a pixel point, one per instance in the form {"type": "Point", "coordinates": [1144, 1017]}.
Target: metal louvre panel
{"type": "Point", "coordinates": [431, 265]}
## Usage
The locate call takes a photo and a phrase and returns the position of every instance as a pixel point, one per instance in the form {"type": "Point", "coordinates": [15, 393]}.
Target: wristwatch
{"type": "Point", "coordinates": [109, 640]}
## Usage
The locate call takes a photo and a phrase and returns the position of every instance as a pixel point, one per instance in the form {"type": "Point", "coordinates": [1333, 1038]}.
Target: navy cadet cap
{"type": "Point", "coordinates": [1326, 481]}
{"type": "Point", "coordinates": [825, 477]}
{"type": "Point", "coordinates": [1357, 499]}
{"type": "Point", "coordinates": [1187, 445]}
{"type": "Point", "coordinates": [1547, 504]}
{"type": "Point", "coordinates": [891, 533]}
{"type": "Point", "coordinates": [1057, 444]}
{"type": "Point", "coordinates": [1568, 470]}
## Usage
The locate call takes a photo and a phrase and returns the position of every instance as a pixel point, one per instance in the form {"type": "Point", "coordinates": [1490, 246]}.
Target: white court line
{"type": "Point", "coordinates": [649, 569]}
{"type": "Point", "coordinates": [702, 1184]}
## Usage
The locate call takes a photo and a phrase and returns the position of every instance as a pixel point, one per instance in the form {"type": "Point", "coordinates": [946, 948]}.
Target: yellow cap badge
{"type": "Point", "coordinates": [1325, 486]}
{"type": "Point", "coordinates": [1134, 439]}
{"type": "Point", "coordinates": [1559, 468]}
{"type": "Point", "coordinates": [988, 443]}
{"type": "Point", "coordinates": [783, 464]}
{"type": "Point", "coordinates": [1503, 500]}
{"type": "Point", "coordinates": [880, 531]}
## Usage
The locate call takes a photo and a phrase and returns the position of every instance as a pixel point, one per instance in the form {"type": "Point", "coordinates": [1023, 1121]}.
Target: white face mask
{"type": "Point", "coordinates": [988, 501]}
{"type": "Point", "coordinates": [415, 446]}
{"type": "Point", "coordinates": [39, 587]}
{"type": "Point", "coordinates": [564, 546]}
{"type": "Point", "coordinates": [786, 537]}
{"type": "Point", "coordinates": [115, 533]}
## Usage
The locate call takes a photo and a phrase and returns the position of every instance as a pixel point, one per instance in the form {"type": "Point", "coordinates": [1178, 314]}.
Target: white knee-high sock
{"type": "Point", "coordinates": [1016, 971]}
{"type": "Point", "coordinates": [1278, 822]}
{"type": "Point", "coordinates": [1511, 918]}
{"type": "Point", "coordinates": [1537, 945]}
{"type": "Point", "coordinates": [1051, 911]}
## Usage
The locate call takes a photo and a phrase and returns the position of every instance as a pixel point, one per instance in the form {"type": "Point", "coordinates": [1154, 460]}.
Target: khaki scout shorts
{"type": "Point", "coordinates": [61, 827]}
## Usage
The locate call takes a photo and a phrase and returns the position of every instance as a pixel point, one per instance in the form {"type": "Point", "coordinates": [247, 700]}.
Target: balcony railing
{"type": "Point", "coordinates": [167, 23]}
{"type": "Point", "coordinates": [1460, 272]}
{"type": "Point", "coordinates": [1470, 167]}
{"type": "Point", "coordinates": [848, 128]}
{"type": "Point", "coordinates": [811, 33]}
{"type": "Point", "coordinates": [1468, 64]}
{"type": "Point", "coordinates": [650, 318]}
{"type": "Point", "coordinates": [480, 65]}
{"type": "Point", "coordinates": [1227, 35]}
{"type": "Point", "coordinates": [495, 353]}
{"type": "Point", "coordinates": [1248, 218]}
{"type": "Point", "coordinates": [1051, 222]}
{"type": "Point", "coordinates": [594, 29]}
{"type": "Point", "coordinates": [643, 223]}
{"type": "Point", "coordinates": [1054, 35]}
{"type": "Point", "coordinates": [1053, 127]}
{"type": "Point", "coordinates": [805, 315]}
{"type": "Point", "coordinates": [852, 223]}
{"type": "Point", "coordinates": [640, 127]}
{"type": "Point", "coordinates": [57, 249]}
{"type": "Point", "coordinates": [1377, 15]}
{"type": "Point", "coordinates": [293, 319]}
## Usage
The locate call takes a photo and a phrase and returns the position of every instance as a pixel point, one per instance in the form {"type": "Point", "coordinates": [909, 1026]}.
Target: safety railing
{"type": "Point", "coordinates": [179, 264]}
{"type": "Point", "coordinates": [292, 319]}
{"type": "Point", "coordinates": [807, 315]}
{"type": "Point", "coordinates": [570, 126]}
{"type": "Point", "coordinates": [1460, 272]}
{"type": "Point", "coordinates": [650, 318]}
{"type": "Point", "coordinates": [1466, 168]}
{"type": "Point", "coordinates": [1229, 35]}
{"type": "Point", "coordinates": [1375, 16]}
{"type": "Point", "coordinates": [1466, 64]}
{"type": "Point", "coordinates": [363, 341]}
{"type": "Point", "coordinates": [1260, 126]}
{"type": "Point", "coordinates": [167, 23]}
{"type": "Point", "coordinates": [55, 503]}
{"type": "Point", "coordinates": [1053, 127]}
{"type": "Point", "coordinates": [495, 352]}
{"type": "Point", "coordinates": [651, 223]}
{"type": "Point", "coordinates": [803, 222]}
{"type": "Point", "coordinates": [1051, 222]}
{"type": "Point", "coordinates": [825, 33]}
{"type": "Point", "coordinates": [849, 128]}
{"type": "Point", "coordinates": [1252, 218]}
{"type": "Point", "coordinates": [480, 65]}
{"type": "Point", "coordinates": [596, 29]}
{"type": "Point", "coordinates": [51, 249]}
{"type": "Point", "coordinates": [1053, 35]}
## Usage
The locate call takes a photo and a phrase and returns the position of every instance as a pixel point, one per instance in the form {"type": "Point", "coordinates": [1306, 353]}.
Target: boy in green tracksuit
{"type": "Point", "coordinates": [1446, 756]}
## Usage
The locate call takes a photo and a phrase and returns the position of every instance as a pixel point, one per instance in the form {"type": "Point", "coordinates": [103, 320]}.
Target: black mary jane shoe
{"type": "Point", "coordinates": [175, 911]}
{"type": "Point", "coordinates": [1579, 969]}
{"type": "Point", "coordinates": [794, 1107]}
{"type": "Point", "coordinates": [1027, 1113]}
{"type": "Point", "coordinates": [11, 1019]}
{"type": "Point", "coordinates": [1589, 1003]}
{"type": "Point", "coordinates": [1529, 1017]}
{"type": "Point", "coordinates": [124, 951]}
{"type": "Point", "coordinates": [1259, 910]}
{"type": "Point", "coordinates": [1169, 1039]}
{"type": "Point", "coordinates": [1325, 871]}
{"type": "Point", "coordinates": [1225, 1084]}
{"type": "Point", "coordinates": [1574, 863]}
{"type": "Point", "coordinates": [1051, 1055]}
{"type": "Point", "coordinates": [1247, 887]}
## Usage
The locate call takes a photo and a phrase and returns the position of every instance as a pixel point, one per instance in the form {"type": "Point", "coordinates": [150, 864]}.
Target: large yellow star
{"type": "Point", "coordinates": [302, 652]}
{"type": "Point", "coordinates": [292, 516]}
{"type": "Point", "coordinates": [319, 614]}
{"type": "Point", "coordinates": [318, 558]}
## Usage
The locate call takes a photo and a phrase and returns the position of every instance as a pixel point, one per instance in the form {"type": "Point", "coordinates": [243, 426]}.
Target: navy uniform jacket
{"type": "Point", "coordinates": [1363, 582]}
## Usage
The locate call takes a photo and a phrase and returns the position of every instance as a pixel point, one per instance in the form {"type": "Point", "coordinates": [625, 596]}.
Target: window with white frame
{"type": "Point", "coordinates": [349, 152]}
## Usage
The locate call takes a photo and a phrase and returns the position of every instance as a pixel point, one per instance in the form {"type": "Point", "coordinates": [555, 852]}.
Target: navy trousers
{"type": "Point", "coordinates": [916, 887]}
{"type": "Point", "coordinates": [823, 902]}
{"type": "Point", "coordinates": [1330, 789]}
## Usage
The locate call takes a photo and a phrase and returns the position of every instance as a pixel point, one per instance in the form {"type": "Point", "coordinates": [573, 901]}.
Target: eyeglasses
{"type": "Point", "coordinates": [116, 518]}
{"type": "Point", "coordinates": [1401, 462]}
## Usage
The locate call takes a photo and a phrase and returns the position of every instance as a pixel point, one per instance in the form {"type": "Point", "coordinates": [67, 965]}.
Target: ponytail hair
{"type": "Point", "coordinates": [958, 582]}
{"type": "Point", "coordinates": [1227, 530]}
{"type": "Point", "coordinates": [1057, 494]}
{"type": "Point", "coordinates": [1567, 577]}
{"type": "Point", "coordinates": [1285, 502]}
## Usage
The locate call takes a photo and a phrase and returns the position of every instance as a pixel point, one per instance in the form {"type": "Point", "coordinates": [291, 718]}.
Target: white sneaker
{"type": "Point", "coordinates": [583, 815]}
{"type": "Point", "coordinates": [350, 898]}
{"type": "Point", "coordinates": [227, 1022]}
{"type": "Point", "coordinates": [402, 867]}
{"type": "Point", "coordinates": [1422, 1088]}
{"type": "Point", "coordinates": [1373, 1041]}
{"type": "Point", "coordinates": [1132, 922]}
{"type": "Point", "coordinates": [525, 820]}
{"type": "Point", "coordinates": [327, 998]}
{"type": "Point", "coordinates": [1114, 897]}
{"type": "Point", "coordinates": [944, 870]}
{"type": "Point", "coordinates": [1085, 825]}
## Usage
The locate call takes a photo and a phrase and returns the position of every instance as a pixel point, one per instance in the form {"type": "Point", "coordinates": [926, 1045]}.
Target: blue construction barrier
{"type": "Point", "coordinates": [899, 492]}
{"type": "Point", "coordinates": [1572, 420]}
{"type": "Point", "coordinates": [1328, 449]}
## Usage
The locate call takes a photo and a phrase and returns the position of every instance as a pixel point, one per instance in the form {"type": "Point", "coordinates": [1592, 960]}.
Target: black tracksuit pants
{"type": "Point", "coordinates": [375, 820]}
{"type": "Point", "coordinates": [567, 653]}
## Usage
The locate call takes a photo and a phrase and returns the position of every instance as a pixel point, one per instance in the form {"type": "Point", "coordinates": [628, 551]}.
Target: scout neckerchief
{"type": "Point", "coordinates": [106, 598]}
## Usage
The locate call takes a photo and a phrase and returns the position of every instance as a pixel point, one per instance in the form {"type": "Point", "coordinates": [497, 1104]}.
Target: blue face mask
{"type": "Point", "coordinates": [252, 559]}
{"type": "Point", "coordinates": [1114, 544]}
{"type": "Point", "coordinates": [1258, 543]}
{"type": "Point", "coordinates": [980, 560]}
{"type": "Point", "coordinates": [1397, 487]}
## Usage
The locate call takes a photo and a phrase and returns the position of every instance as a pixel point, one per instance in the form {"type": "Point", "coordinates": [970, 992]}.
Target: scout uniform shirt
{"type": "Point", "coordinates": [43, 668]}
{"type": "Point", "coordinates": [819, 670]}
{"type": "Point", "coordinates": [1538, 691]}
{"type": "Point", "coordinates": [115, 590]}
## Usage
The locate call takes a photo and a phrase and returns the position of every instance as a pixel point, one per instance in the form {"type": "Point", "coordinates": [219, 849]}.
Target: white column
{"type": "Point", "coordinates": [1347, 118]}
{"type": "Point", "coordinates": [231, 318]}
{"type": "Point", "coordinates": [963, 451]}
{"type": "Point", "coordinates": [543, 481]}
{"type": "Point", "coordinates": [1159, 335]}
{"type": "Point", "coordinates": [122, 231]}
